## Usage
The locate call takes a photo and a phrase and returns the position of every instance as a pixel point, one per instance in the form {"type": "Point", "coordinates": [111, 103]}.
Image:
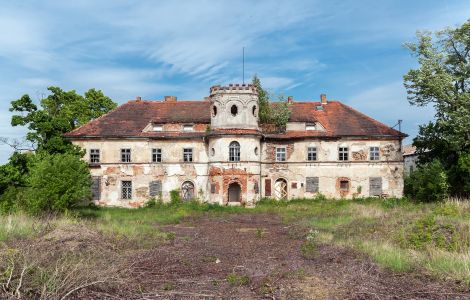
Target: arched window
{"type": "Point", "coordinates": [234, 151]}
{"type": "Point", "coordinates": [234, 110]}
{"type": "Point", "coordinates": [214, 110]}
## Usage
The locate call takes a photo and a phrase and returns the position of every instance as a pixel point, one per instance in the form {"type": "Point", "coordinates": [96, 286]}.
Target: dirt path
{"type": "Point", "coordinates": [256, 256]}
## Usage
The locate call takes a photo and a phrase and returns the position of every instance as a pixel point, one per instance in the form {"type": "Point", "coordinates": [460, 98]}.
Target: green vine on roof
{"type": "Point", "coordinates": [272, 112]}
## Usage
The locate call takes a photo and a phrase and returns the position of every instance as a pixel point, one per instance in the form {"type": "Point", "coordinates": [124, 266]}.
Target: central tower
{"type": "Point", "coordinates": [234, 106]}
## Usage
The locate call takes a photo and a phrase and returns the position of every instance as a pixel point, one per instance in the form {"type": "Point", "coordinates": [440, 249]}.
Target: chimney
{"type": "Point", "coordinates": [323, 99]}
{"type": "Point", "coordinates": [138, 98]}
{"type": "Point", "coordinates": [290, 99]}
{"type": "Point", "coordinates": [170, 99]}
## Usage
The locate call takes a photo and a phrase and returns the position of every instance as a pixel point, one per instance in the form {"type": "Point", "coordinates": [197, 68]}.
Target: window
{"type": "Point", "coordinates": [343, 153]}
{"type": "Point", "coordinates": [126, 189]}
{"type": "Point", "coordinates": [281, 154]}
{"type": "Point", "coordinates": [96, 188]}
{"type": "Point", "coordinates": [155, 188]}
{"type": "Point", "coordinates": [254, 111]}
{"type": "Point", "coordinates": [212, 151]}
{"type": "Point", "coordinates": [311, 185]}
{"type": "Point", "coordinates": [126, 155]}
{"type": "Point", "coordinates": [375, 186]}
{"type": "Point", "coordinates": [156, 155]}
{"type": "Point", "coordinates": [344, 185]}
{"type": "Point", "coordinates": [256, 151]}
{"type": "Point", "coordinates": [234, 110]}
{"type": "Point", "coordinates": [234, 151]}
{"type": "Point", "coordinates": [214, 110]}
{"type": "Point", "coordinates": [157, 127]}
{"type": "Point", "coordinates": [374, 153]}
{"type": "Point", "coordinates": [310, 126]}
{"type": "Point", "coordinates": [187, 154]}
{"type": "Point", "coordinates": [188, 127]}
{"type": "Point", "coordinates": [311, 153]}
{"type": "Point", "coordinates": [94, 156]}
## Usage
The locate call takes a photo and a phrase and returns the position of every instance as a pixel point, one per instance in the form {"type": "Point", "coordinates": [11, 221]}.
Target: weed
{"type": "Point", "coordinates": [259, 232]}
{"type": "Point", "coordinates": [169, 286]}
{"type": "Point", "coordinates": [234, 279]}
{"type": "Point", "coordinates": [427, 231]}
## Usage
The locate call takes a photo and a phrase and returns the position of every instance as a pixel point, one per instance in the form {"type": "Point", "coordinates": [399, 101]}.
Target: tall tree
{"type": "Point", "coordinates": [264, 107]}
{"type": "Point", "coordinates": [443, 80]}
{"type": "Point", "coordinates": [59, 113]}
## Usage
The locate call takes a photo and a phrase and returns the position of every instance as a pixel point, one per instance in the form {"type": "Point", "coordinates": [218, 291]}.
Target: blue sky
{"type": "Point", "coordinates": [350, 50]}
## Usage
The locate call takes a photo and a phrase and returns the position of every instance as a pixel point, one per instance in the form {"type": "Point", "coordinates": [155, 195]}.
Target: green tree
{"type": "Point", "coordinates": [13, 173]}
{"type": "Point", "coordinates": [442, 80]}
{"type": "Point", "coordinates": [428, 183]}
{"type": "Point", "coordinates": [56, 183]}
{"type": "Point", "coordinates": [264, 107]}
{"type": "Point", "coordinates": [280, 113]}
{"type": "Point", "coordinates": [60, 112]}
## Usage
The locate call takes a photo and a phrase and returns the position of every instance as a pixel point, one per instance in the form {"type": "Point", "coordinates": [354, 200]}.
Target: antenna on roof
{"type": "Point", "coordinates": [243, 63]}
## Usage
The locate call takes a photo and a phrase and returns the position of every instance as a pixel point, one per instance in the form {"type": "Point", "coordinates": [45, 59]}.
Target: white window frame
{"type": "Point", "coordinates": [126, 155]}
{"type": "Point", "coordinates": [187, 154]}
{"type": "Point", "coordinates": [157, 127]}
{"type": "Point", "coordinates": [343, 153]}
{"type": "Point", "coordinates": [281, 154]}
{"type": "Point", "coordinates": [234, 151]}
{"type": "Point", "coordinates": [95, 156]}
{"type": "Point", "coordinates": [312, 153]}
{"type": "Point", "coordinates": [157, 155]}
{"type": "Point", "coordinates": [310, 126]}
{"type": "Point", "coordinates": [188, 127]}
{"type": "Point", "coordinates": [374, 153]}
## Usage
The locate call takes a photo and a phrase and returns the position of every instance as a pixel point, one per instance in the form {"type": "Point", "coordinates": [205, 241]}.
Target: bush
{"type": "Point", "coordinates": [428, 183]}
{"type": "Point", "coordinates": [57, 183]}
{"type": "Point", "coordinates": [175, 197]}
{"type": "Point", "coordinates": [11, 199]}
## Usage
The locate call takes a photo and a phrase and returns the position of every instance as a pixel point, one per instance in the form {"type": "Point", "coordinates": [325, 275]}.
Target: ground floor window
{"type": "Point", "coordinates": [375, 186]}
{"type": "Point", "coordinates": [280, 189]}
{"type": "Point", "coordinates": [126, 189]}
{"type": "Point", "coordinates": [344, 185]}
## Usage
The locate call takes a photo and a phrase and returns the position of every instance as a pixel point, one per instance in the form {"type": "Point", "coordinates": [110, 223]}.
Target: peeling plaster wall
{"type": "Point", "coordinates": [211, 172]}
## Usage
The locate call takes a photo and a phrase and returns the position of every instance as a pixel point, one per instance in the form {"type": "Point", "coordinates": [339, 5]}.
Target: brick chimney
{"type": "Point", "coordinates": [170, 99]}
{"type": "Point", "coordinates": [323, 99]}
{"type": "Point", "coordinates": [290, 99]}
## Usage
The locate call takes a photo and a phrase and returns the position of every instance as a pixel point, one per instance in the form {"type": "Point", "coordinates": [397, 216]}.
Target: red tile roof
{"type": "Point", "coordinates": [129, 120]}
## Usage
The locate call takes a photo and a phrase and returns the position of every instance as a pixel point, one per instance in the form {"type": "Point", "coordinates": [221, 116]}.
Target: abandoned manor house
{"type": "Point", "coordinates": [215, 150]}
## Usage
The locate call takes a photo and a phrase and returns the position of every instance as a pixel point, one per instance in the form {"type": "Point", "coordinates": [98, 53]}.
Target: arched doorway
{"type": "Point", "coordinates": [234, 192]}
{"type": "Point", "coordinates": [187, 191]}
{"type": "Point", "coordinates": [280, 189]}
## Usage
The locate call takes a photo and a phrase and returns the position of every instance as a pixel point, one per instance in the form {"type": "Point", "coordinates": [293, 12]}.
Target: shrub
{"type": "Point", "coordinates": [11, 199]}
{"type": "Point", "coordinates": [426, 231]}
{"type": "Point", "coordinates": [57, 183]}
{"type": "Point", "coordinates": [428, 183]}
{"type": "Point", "coordinates": [175, 197]}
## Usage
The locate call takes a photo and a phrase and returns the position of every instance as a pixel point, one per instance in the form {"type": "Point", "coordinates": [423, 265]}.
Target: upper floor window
{"type": "Point", "coordinates": [187, 154]}
{"type": "Point", "coordinates": [311, 153]}
{"type": "Point", "coordinates": [94, 156]}
{"type": "Point", "coordinates": [126, 155]}
{"type": "Point", "coordinates": [234, 151]}
{"type": "Point", "coordinates": [188, 127]}
{"type": "Point", "coordinates": [374, 153]}
{"type": "Point", "coordinates": [156, 155]}
{"type": "Point", "coordinates": [157, 127]}
{"type": "Point", "coordinates": [343, 153]}
{"type": "Point", "coordinates": [280, 154]}
{"type": "Point", "coordinates": [126, 189]}
{"type": "Point", "coordinates": [310, 126]}
{"type": "Point", "coordinates": [234, 110]}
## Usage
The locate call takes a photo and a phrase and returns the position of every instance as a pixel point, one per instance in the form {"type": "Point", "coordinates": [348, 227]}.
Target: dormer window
{"type": "Point", "coordinates": [188, 127]}
{"type": "Point", "coordinates": [310, 126]}
{"type": "Point", "coordinates": [157, 127]}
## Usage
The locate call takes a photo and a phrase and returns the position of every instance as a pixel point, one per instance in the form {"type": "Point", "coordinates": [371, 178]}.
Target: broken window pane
{"type": "Point", "coordinates": [187, 154]}
{"type": "Point", "coordinates": [126, 155]}
{"type": "Point", "coordinates": [94, 156]}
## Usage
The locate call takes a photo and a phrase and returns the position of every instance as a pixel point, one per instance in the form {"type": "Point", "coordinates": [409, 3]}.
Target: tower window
{"type": "Point", "coordinates": [254, 110]}
{"type": "Point", "coordinates": [214, 110]}
{"type": "Point", "coordinates": [234, 151]}
{"type": "Point", "coordinates": [234, 110]}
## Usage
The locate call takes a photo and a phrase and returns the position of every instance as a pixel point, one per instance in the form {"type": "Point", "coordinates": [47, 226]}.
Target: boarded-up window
{"type": "Point", "coordinates": [212, 188]}
{"type": "Point", "coordinates": [267, 187]}
{"type": "Point", "coordinates": [96, 188]}
{"type": "Point", "coordinates": [155, 188]}
{"type": "Point", "coordinates": [375, 186]}
{"type": "Point", "coordinates": [294, 185]}
{"type": "Point", "coordinates": [256, 187]}
{"type": "Point", "coordinates": [312, 185]}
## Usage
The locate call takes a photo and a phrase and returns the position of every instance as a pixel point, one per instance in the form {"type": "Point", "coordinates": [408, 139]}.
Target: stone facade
{"type": "Point", "coordinates": [297, 163]}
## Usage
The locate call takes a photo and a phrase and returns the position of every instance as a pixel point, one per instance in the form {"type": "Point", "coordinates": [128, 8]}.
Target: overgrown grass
{"type": "Point", "coordinates": [396, 233]}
